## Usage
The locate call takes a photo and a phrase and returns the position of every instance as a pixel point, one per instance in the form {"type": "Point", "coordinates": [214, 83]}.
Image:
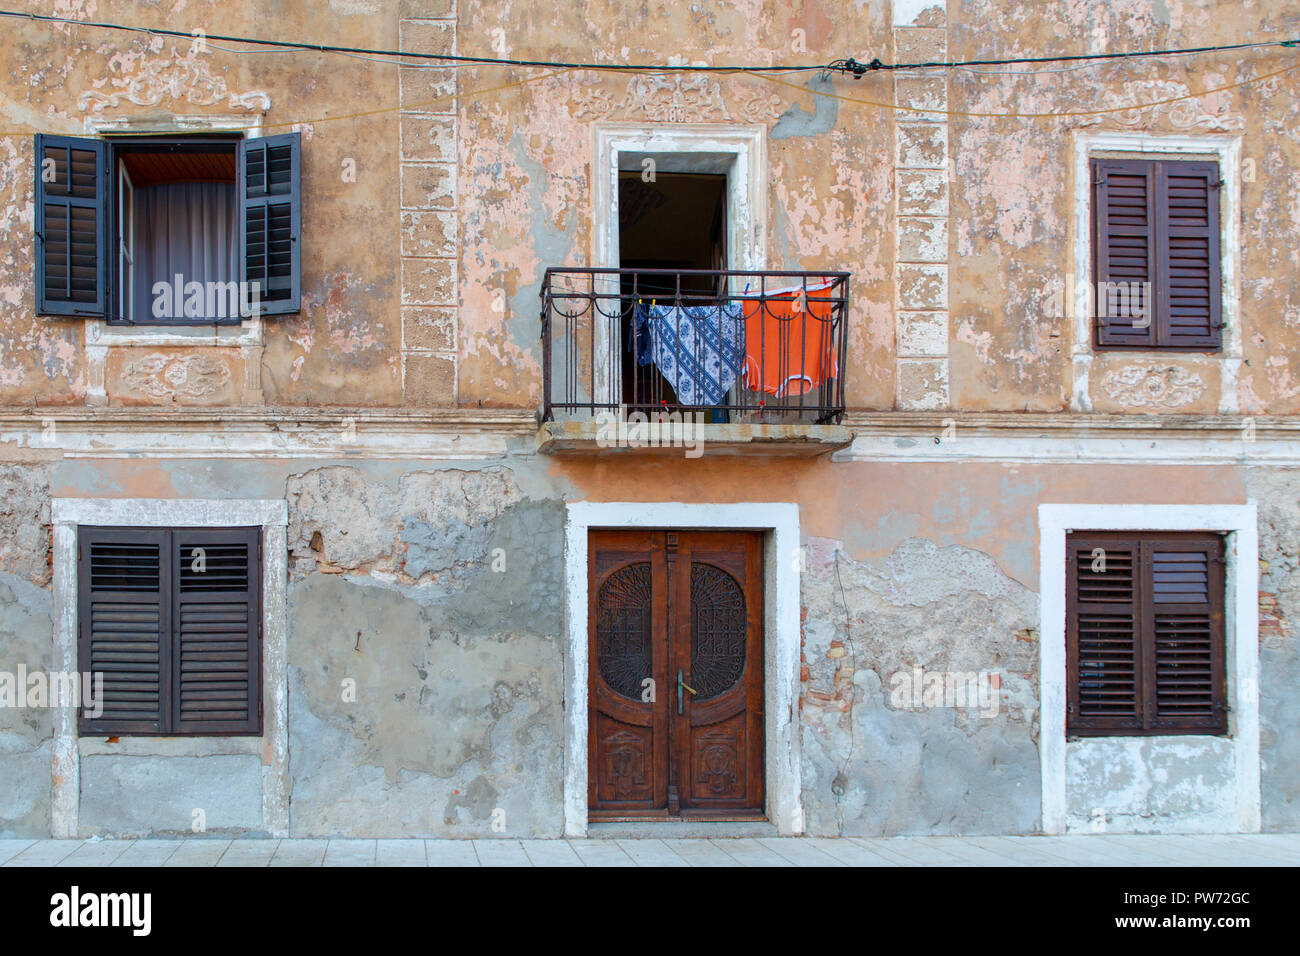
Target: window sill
{"type": "Point", "coordinates": [247, 333]}
{"type": "Point", "coordinates": [99, 745]}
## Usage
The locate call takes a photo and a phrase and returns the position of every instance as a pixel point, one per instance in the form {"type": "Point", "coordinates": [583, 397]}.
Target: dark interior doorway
{"type": "Point", "coordinates": [677, 221]}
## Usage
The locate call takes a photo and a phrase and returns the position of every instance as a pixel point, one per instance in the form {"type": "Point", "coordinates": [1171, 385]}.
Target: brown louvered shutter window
{"type": "Point", "coordinates": [1124, 249]}
{"type": "Point", "coordinates": [1103, 634]}
{"type": "Point", "coordinates": [1156, 254]}
{"type": "Point", "coordinates": [1145, 634]}
{"type": "Point", "coordinates": [1186, 647]}
{"type": "Point", "coordinates": [172, 619]}
{"type": "Point", "coordinates": [1189, 302]}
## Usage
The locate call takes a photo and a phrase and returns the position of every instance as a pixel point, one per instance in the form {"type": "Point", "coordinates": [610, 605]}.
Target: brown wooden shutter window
{"type": "Point", "coordinates": [172, 619]}
{"type": "Point", "coordinates": [1145, 634]}
{"type": "Point", "coordinates": [1156, 222]}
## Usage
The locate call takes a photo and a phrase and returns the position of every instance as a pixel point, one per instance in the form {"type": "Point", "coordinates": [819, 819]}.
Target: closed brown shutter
{"type": "Point", "coordinates": [1124, 246]}
{"type": "Point", "coordinates": [1156, 254]}
{"type": "Point", "coordinates": [172, 619]}
{"type": "Point", "coordinates": [1187, 647]}
{"type": "Point", "coordinates": [125, 628]}
{"type": "Point", "coordinates": [1103, 634]}
{"type": "Point", "coordinates": [1145, 634]}
{"type": "Point", "coordinates": [1189, 312]}
{"type": "Point", "coordinates": [217, 659]}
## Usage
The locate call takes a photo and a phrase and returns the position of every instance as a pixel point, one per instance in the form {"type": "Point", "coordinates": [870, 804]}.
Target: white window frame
{"type": "Point", "coordinates": [1227, 150]}
{"type": "Point", "coordinates": [740, 152]}
{"type": "Point", "coordinates": [1241, 632]}
{"type": "Point", "coordinates": [249, 331]}
{"type": "Point", "coordinates": [272, 515]}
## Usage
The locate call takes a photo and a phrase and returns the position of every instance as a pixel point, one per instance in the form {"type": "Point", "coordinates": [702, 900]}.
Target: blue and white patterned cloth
{"type": "Point", "coordinates": [700, 349]}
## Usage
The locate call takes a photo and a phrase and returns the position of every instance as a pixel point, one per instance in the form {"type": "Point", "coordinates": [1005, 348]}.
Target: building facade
{"type": "Point", "coordinates": [414, 447]}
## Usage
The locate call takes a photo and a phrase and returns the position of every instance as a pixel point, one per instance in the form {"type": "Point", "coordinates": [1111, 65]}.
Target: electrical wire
{"type": "Point", "coordinates": [858, 69]}
{"type": "Point", "coordinates": [446, 58]}
{"type": "Point", "coordinates": [1128, 107]}
{"type": "Point", "coordinates": [843, 66]}
{"type": "Point", "coordinates": [849, 65]}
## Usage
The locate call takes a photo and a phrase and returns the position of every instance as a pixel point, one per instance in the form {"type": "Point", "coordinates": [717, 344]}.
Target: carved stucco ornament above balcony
{"type": "Point", "coordinates": [194, 377]}
{"type": "Point", "coordinates": [180, 76]}
{"type": "Point", "coordinates": [678, 98]}
{"type": "Point", "coordinates": [1153, 386]}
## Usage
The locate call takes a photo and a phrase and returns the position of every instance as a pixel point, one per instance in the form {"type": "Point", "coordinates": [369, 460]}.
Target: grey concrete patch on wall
{"type": "Point", "coordinates": [882, 769]}
{"type": "Point", "coordinates": [25, 521]}
{"type": "Point", "coordinates": [1278, 495]}
{"type": "Point", "coordinates": [433, 708]}
{"type": "Point", "coordinates": [797, 122]}
{"type": "Point", "coordinates": [1150, 784]}
{"type": "Point", "coordinates": [26, 734]}
{"type": "Point", "coordinates": [429, 522]}
{"type": "Point", "coordinates": [156, 795]}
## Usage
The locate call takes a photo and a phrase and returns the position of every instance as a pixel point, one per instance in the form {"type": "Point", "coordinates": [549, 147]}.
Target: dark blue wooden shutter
{"type": "Point", "coordinates": [217, 613]}
{"type": "Point", "coordinates": [124, 619]}
{"type": "Point", "coordinates": [71, 226]}
{"type": "Point", "coordinates": [270, 220]}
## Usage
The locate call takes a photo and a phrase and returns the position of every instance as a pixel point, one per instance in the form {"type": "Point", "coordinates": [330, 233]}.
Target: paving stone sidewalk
{"type": "Point", "coordinates": [1276, 849]}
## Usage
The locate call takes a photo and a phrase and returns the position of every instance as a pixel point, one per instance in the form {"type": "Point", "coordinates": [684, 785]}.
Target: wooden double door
{"type": "Point", "coordinates": [675, 675]}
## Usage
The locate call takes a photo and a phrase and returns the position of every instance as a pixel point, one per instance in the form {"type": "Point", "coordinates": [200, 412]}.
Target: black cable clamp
{"type": "Point", "coordinates": [857, 69]}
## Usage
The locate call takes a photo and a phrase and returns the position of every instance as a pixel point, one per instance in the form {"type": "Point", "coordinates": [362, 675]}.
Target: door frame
{"type": "Point", "coordinates": [779, 522]}
{"type": "Point", "coordinates": [738, 151]}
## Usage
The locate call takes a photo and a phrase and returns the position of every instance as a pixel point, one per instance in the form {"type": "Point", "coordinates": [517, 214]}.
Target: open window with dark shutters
{"type": "Point", "coordinates": [1145, 646]}
{"type": "Point", "coordinates": [171, 619]}
{"type": "Point", "coordinates": [189, 230]}
{"type": "Point", "coordinates": [1156, 255]}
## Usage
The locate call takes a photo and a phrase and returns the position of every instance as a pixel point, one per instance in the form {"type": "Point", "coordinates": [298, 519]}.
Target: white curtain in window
{"type": "Point", "coordinates": [186, 229]}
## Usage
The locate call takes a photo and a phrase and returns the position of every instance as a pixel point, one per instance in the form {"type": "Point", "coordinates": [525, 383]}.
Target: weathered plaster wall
{"type": "Point", "coordinates": [26, 630]}
{"type": "Point", "coordinates": [421, 273]}
{"type": "Point", "coordinates": [26, 735]}
{"type": "Point", "coordinates": [345, 346]}
{"type": "Point", "coordinates": [526, 162]}
{"type": "Point", "coordinates": [1150, 785]}
{"type": "Point", "coordinates": [879, 764]}
{"type": "Point", "coordinates": [1278, 494]}
{"type": "Point", "coordinates": [436, 589]}
{"type": "Point", "coordinates": [425, 665]}
{"type": "Point", "coordinates": [1013, 188]}
{"type": "Point", "coordinates": [929, 566]}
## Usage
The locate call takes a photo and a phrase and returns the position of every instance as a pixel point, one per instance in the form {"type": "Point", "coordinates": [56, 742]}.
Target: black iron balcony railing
{"type": "Point", "coordinates": [737, 347]}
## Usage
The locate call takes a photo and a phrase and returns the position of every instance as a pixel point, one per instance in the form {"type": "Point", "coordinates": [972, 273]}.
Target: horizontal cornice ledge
{"type": "Point", "coordinates": [1045, 438]}
{"type": "Point", "coordinates": [264, 432]}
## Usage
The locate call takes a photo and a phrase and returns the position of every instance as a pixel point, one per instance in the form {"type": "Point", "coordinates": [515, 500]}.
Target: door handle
{"type": "Point", "coordinates": [682, 685]}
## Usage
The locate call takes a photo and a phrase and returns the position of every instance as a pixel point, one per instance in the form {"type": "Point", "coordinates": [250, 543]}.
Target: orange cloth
{"type": "Point", "coordinates": [789, 342]}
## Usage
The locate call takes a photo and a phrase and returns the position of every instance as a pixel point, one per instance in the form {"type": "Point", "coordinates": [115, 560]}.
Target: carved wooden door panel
{"type": "Point", "coordinates": [627, 664]}
{"type": "Point", "coordinates": [675, 675]}
{"type": "Point", "coordinates": [717, 732]}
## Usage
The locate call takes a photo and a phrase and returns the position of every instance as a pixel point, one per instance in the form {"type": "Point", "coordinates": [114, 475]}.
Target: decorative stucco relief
{"type": "Point", "coordinates": [172, 377]}
{"type": "Point", "coordinates": [1185, 114]}
{"type": "Point", "coordinates": [179, 76]}
{"type": "Point", "coordinates": [1153, 386]}
{"type": "Point", "coordinates": [679, 98]}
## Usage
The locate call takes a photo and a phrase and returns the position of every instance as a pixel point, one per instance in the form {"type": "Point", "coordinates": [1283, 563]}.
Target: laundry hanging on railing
{"type": "Point", "coordinates": [790, 340]}
{"type": "Point", "coordinates": [699, 349]}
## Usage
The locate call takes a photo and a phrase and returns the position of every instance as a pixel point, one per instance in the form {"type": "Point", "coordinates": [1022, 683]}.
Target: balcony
{"type": "Point", "coordinates": [752, 357]}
